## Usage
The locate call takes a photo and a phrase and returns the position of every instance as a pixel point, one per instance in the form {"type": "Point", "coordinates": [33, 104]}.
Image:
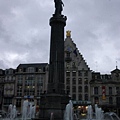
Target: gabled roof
{"type": "Point", "coordinates": [76, 55]}
{"type": "Point", "coordinates": [115, 70]}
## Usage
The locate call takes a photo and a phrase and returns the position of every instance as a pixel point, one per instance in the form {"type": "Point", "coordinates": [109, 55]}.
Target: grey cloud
{"type": "Point", "coordinates": [24, 25]}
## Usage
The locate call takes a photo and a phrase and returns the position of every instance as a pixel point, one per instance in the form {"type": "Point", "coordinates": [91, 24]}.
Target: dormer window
{"type": "Point", "coordinates": [40, 70]}
{"type": "Point", "coordinates": [20, 70]}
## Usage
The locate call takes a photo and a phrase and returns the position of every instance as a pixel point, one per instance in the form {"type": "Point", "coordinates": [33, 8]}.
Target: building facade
{"type": "Point", "coordinates": [9, 87]}
{"type": "Point", "coordinates": [1, 87]}
{"type": "Point", "coordinates": [77, 73]}
{"type": "Point", "coordinates": [31, 83]}
{"type": "Point", "coordinates": [105, 90]}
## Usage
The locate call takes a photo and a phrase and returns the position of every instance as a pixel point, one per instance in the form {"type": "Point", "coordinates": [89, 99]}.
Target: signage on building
{"type": "Point", "coordinates": [103, 92]}
{"type": "Point", "coordinates": [27, 96]}
{"type": "Point", "coordinates": [81, 102]}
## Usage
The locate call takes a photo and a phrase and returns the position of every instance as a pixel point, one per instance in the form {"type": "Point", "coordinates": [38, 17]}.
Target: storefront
{"type": "Point", "coordinates": [80, 107]}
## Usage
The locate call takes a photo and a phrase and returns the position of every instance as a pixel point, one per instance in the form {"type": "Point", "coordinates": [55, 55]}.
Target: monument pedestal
{"type": "Point", "coordinates": [53, 106]}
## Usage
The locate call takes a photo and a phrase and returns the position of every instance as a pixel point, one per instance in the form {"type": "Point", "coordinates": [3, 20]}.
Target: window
{"type": "Point", "coordinates": [20, 77]}
{"type": "Point", "coordinates": [74, 73]}
{"type": "Point", "coordinates": [74, 81]}
{"type": "Point", "coordinates": [68, 54]}
{"type": "Point", "coordinates": [86, 73]}
{"type": "Point", "coordinates": [110, 100]}
{"type": "Point", "coordinates": [39, 90]}
{"type": "Point", "coordinates": [117, 90]}
{"type": "Point", "coordinates": [73, 65]}
{"type": "Point", "coordinates": [79, 73]}
{"type": "Point", "coordinates": [86, 97]}
{"type": "Point", "coordinates": [19, 90]}
{"type": "Point", "coordinates": [19, 82]}
{"type": "Point", "coordinates": [86, 88]}
{"type": "Point", "coordinates": [67, 65]}
{"type": "Point", "coordinates": [67, 80]}
{"type": "Point", "coordinates": [74, 88]}
{"type": "Point", "coordinates": [20, 69]}
{"type": "Point", "coordinates": [118, 101]}
{"type": "Point", "coordinates": [38, 101]}
{"type": "Point", "coordinates": [67, 73]}
{"type": "Point", "coordinates": [74, 96]}
{"type": "Point", "coordinates": [79, 80]}
{"type": "Point", "coordinates": [96, 100]}
{"type": "Point", "coordinates": [80, 89]}
{"type": "Point", "coordinates": [7, 101]}
{"type": "Point", "coordinates": [96, 90]}
{"type": "Point", "coordinates": [30, 69]}
{"type": "Point", "coordinates": [86, 81]}
{"type": "Point", "coordinates": [68, 89]}
{"type": "Point", "coordinates": [30, 86]}
{"type": "Point", "coordinates": [24, 69]}
{"type": "Point", "coordinates": [80, 97]}
{"type": "Point", "coordinates": [18, 102]}
{"type": "Point", "coordinates": [110, 90]}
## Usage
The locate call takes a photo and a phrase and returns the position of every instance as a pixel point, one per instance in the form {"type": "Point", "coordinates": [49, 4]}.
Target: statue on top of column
{"type": "Point", "coordinates": [58, 7]}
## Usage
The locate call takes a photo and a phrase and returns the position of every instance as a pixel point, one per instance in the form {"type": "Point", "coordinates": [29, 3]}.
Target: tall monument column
{"type": "Point", "coordinates": [53, 103]}
{"type": "Point", "coordinates": [56, 63]}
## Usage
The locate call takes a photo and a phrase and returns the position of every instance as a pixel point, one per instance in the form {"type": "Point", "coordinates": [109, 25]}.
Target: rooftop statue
{"type": "Point", "coordinates": [58, 7]}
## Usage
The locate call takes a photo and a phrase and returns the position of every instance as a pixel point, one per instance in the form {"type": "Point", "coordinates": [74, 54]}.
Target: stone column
{"type": "Point", "coordinates": [56, 63]}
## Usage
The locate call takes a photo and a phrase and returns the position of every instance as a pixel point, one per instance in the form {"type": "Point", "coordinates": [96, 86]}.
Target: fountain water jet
{"type": "Point", "coordinates": [68, 114]}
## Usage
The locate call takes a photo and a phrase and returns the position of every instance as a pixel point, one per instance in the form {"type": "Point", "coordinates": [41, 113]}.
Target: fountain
{"type": "Point", "coordinates": [90, 112]}
{"type": "Point", "coordinates": [99, 114]}
{"type": "Point", "coordinates": [68, 114]}
{"type": "Point", "coordinates": [25, 110]}
{"type": "Point", "coordinates": [28, 111]}
{"type": "Point", "coordinates": [52, 116]}
{"type": "Point", "coordinates": [12, 112]}
{"type": "Point", "coordinates": [111, 116]}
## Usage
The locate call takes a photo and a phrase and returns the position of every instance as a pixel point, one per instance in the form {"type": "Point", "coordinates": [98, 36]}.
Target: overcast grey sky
{"type": "Point", "coordinates": [25, 31]}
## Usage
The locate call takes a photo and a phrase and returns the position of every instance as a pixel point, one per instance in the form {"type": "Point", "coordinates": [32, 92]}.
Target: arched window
{"type": "Point", "coordinates": [80, 97]}
{"type": "Point", "coordinates": [86, 88]}
{"type": "Point", "coordinates": [74, 96]}
{"type": "Point", "coordinates": [79, 80]}
{"type": "Point", "coordinates": [86, 97]}
{"type": "Point", "coordinates": [73, 81]}
{"type": "Point", "coordinates": [96, 90]}
{"type": "Point", "coordinates": [80, 89]}
{"type": "Point", "coordinates": [74, 88]}
{"type": "Point", "coordinates": [110, 90]}
{"type": "Point", "coordinates": [67, 80]}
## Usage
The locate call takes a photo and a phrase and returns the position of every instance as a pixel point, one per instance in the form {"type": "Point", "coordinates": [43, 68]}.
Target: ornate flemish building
{"type": "Point", "coordinates": [77, 73]}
